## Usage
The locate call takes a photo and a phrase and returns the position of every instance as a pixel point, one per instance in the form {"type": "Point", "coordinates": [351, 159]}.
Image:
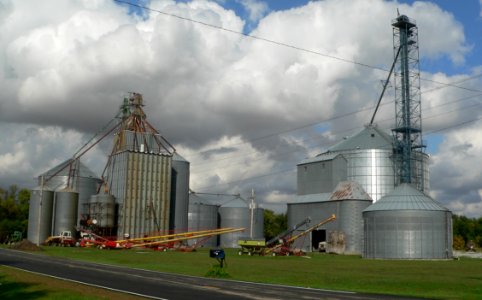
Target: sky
{"type": "Point", "coordinates": [244, 89]}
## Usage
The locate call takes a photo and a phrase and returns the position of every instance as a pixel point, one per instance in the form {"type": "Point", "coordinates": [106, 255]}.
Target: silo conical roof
{"type": "Point", "coordinates": [371, 137]}
{"type": "Point", "coordinates": [349, 190]}
{"type": "Point", "coordinates": [177, 157]}
{"type": "Point", "coordinates": [236, 202]}
{"type": "Point", "coordinates": [405, 197]}
{"type": "Point", "coordinates": [63, 170]}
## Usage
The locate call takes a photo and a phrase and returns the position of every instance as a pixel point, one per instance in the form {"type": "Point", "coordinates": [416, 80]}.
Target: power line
{"type": "Point", "coordinates": [281, 43]}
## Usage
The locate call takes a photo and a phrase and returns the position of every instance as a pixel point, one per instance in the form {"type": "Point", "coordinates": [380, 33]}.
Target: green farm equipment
{"type": "Point", "coordinates": [252, 246]}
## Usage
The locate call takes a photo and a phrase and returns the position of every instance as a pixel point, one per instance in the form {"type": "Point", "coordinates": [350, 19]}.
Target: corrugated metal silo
{"type": "Point", "coordinates": [104, 210]}
{"type": "Point", "coordinates": [369, 156]}
{"type": "Point", "coordinates": [65, 211]}
{"type": "Point", "coordinates": [407, 224]}
{"type": "Point", "coordinates": [40, 215]}
{"type": "Point", "coordinates": [141, 185]}
{"type": "Point", "coordinates": [203, 215]}
{"type": "Point", "coordinates": [179, 194]}
{"type": "Point", "coordinates": [236, 214]}
{"type": "Point", "coordinates": [83, 180]}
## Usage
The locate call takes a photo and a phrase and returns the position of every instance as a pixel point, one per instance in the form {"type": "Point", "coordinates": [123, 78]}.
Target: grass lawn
{"type": "Point", "coordinates": [17, 284]}
{"type": "Point", "coordinates": [449, 279]}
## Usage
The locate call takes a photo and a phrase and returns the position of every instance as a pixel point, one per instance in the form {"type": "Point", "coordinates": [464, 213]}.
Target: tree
{"type": "Point", "coordinates": [469, 230]}
{"type": "Point", "coordinates": [274, 224]}
{"type": "Point", "coordinates": [14, 206]}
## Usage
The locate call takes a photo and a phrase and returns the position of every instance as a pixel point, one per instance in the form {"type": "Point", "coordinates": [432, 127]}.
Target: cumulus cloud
{"type": "Point", "coordinates": [221, 98]}
{"type": "Point", "coordinates": [256, 9]}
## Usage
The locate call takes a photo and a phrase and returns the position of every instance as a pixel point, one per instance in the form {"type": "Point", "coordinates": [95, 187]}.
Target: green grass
{"type": "Point", "coordinates": [449, 279]}
{"type": "Point", "coordinates": [17, 284]}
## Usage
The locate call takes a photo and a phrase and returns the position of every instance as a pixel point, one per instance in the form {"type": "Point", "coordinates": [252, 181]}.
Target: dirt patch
{"type": "Point", "coordinates": [25, 245]}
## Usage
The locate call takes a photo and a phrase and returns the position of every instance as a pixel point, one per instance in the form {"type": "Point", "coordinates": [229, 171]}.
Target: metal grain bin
{"type": "Point", "coordinates": [40, 215]}
{"type": "Point", "coordinates": [65, 211]}
{"type": "Point", "coordinates": [369, 156]}
{"type": "Point", "coordinates": [104, 210]}
{"type": "Point", "coordinates": [82, 180]}
{"type": "Point", "coordinates": [203, 215]}
{"type": "Point", "coordinates": [178, 221]}
{"type": "Point", "coordinates": [141, 185]}
{"type": "Point", "coordinates": [407, 224]}
{"type": "Point", "coordinates": [236, 214]}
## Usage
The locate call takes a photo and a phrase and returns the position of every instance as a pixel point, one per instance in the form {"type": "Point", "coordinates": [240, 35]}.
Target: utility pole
{"type": "Point", "coordinates": [252, 206]}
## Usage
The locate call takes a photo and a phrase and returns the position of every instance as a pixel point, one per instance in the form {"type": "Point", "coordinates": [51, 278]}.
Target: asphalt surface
{"type": "Point", "coordinates": [158, 285]}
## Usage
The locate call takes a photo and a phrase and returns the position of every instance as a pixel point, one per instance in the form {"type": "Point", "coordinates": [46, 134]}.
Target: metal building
{"type": "Point", "coordinates": [407, 224]}
{"type": "Point", "coordinates": [343, 235]}
{"type": "Point", "coordinates": [66, 203]}
{"type": "Point", "coordinates": [321, 173]}
{"type": "Point", "coordinates": [178, 221]}
{"type": "Point", "coordinates": [40, 214]}
{"type": "Point", "coordinates": [203, 215]}
{"type": "Point", "coordinates": [78, 177]}
{"type": "Point", "coordinates": [237, 214]}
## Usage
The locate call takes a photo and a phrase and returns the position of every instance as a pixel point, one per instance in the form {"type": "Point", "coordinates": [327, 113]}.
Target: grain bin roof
{"type": "Point", "coordinates": [63, 170]}
{"type": "Point", "coordinates": [320, 157]}
{"type": "Point", "coordinates": [311, 198]}
{"type": "Point", "coordinates": [177, 157]}
{"type": "Point", "coordinates": [349, 190]}
{"type": "Point", "coordinates": [405, 197]}
{"type": "Point", "coordinates": [371, 137]}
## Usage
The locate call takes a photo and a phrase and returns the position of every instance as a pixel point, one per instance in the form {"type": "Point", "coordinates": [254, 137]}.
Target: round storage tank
{"type": "Point", "coordinates": [92, 211]}
{"type": "Point", "coordinates": [105, 210]}
{"type": "Point", "coordinates": [202, 216]}
{"type": "Point", "coordinates": [65, 213]}
{"type": "Point", "coordinates": [40, 215]}
{"type": "Point", "coordinates": [236, 214]}
{"type": "Point", "coordinates": [407, 224]}
{"type": "Point", "coordinates": [369, 156]}
{"type": "Point", "coordinates": [82, 180]}
{"type": "Point", "coordinates": [179, 194]}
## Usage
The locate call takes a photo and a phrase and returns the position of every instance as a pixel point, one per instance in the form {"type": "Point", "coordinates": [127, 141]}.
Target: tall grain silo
{"type": "Point", "coordinates": [65, 211]}
{"type": "Point", "coordinates": [407, 224]}
{"type": "Point", "coordinates": [79, 177]}
{"type": "Point", "coordinates": [40, 214]}
{"type": "Point", "coordinates": [203, 215]}
{"type": "Point", "coordinates": [369, 156]}
{"type": "Point", "coordinates": [138, 173]}
{"type": "Point", "coordinates": [178, 221]}
{"type": "Point", "coordinates": [237, 214]}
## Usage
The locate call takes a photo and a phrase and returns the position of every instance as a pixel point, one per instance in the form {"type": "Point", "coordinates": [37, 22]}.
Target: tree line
{"type": "Point", "coordinates": [14, 204]}
{"type": "Point", "coordinates": [467, 232]}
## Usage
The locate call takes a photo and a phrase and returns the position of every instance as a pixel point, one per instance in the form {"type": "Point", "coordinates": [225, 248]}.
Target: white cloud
{"type": "Point", "coordinates": [455, 172]}
{"type": "Point", "coordinates": [256, 9]}
{"type": "Point", "coordinates": [65, 66]}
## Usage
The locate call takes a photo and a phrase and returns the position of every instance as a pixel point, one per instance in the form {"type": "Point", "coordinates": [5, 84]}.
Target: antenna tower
{"type": "Point", "coordinates": [408, 114]}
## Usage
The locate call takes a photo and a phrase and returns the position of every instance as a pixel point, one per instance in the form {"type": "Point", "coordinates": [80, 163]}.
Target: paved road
{"type": "Point", "coordinates": [157, 285]}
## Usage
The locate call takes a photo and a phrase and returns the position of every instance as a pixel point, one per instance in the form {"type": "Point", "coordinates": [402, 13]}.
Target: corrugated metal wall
{"type": "Point", "coordinates": [347, 228]}
{"type": "Point", "coordinates": [321, 176]}
{"type": "Point", "coordinates": [65, 211]}
{"type": "Point", "coordinates": [408, 234]}
{"type": "Point", "coordinates": [179, 195]}
{"type": "Point", "coordinates": [203, 217]}
{"type": "Point", "coordinates": [40, 215]}
{"type": "Point", "coordinates": [141, 183]}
